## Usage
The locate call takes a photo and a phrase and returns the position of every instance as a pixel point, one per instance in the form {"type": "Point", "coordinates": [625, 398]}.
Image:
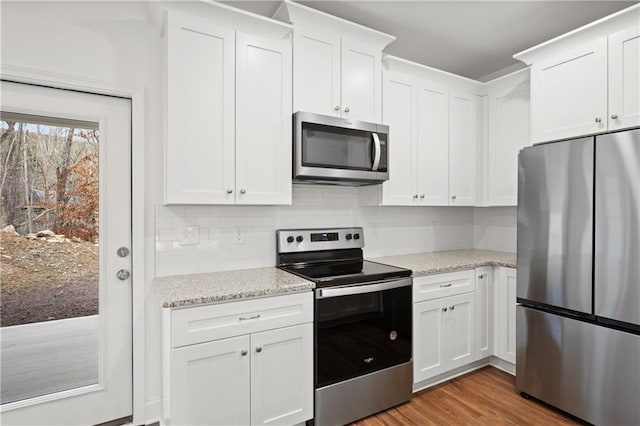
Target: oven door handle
{"type": "Point", "coordinates": [324, 293]}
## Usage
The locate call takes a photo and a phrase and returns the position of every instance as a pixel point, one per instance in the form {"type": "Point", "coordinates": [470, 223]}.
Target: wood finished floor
{"type": "Point", "coordinates": [484, 397]}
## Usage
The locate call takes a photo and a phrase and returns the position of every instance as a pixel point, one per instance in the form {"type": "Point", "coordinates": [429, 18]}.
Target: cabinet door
{"type": "Point", "coordinates": [508, 133]}
{"type": "Point", "coordinates": [462, 148]}
{"type": "Point", "coordinates": [624, 79]}
{"type": "Point", "coordinates": [316, 72]}
{"type": "Point", "coordinates": [210, 383]}
{"type": "Point", "coordinates": [361, 82]}
{"type": "Point", "coordinates": [461, 330]}
{"type": "Point", "coordinates": [569, 93]}
{"type": "Point", "coordinates": [282, 375]}
{"type": "Point", "coordinates": [429, 339]}
{"type": "Point", "coordinates": [199, 155]}
{"type": "Point", "coordinates": [400, 115]}
{"type": "Point", "coordinates": [433, 144]}
{"type": "Point", "coordinates": [484, 312]}
{"type": "Point", "coordinates": [505, 315]}
{"type": "Point", "coordinates": [263, 120]}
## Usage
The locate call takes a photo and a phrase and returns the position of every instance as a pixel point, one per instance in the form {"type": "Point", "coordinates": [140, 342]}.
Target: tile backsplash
{"type": "Point", "coordinates": [239, 237]}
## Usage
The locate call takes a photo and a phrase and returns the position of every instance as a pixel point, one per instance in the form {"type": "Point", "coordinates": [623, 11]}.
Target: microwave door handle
{"type": "Point", "coordinates": [376, 155]}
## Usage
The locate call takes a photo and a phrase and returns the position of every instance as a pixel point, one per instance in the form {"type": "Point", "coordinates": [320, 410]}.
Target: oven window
{"type": "Point", "coordinates": [359, 334]}
{"type": "Point", "coordinates": [336, 148]}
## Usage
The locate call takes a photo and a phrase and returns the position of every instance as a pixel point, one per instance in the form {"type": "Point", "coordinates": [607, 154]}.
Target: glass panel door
{"type": "Point", "coordinates": [65, 319]}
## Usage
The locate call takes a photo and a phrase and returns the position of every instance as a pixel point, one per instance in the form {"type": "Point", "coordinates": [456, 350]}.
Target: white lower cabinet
{"type": "Point", "coordinates": [484, 312]}
{"type": "Point", "coordinates": [263, 376]}
{"type": "Point", "coordinates": [505, 315]}
{"type": "Point", "coordinates": [444, 335]}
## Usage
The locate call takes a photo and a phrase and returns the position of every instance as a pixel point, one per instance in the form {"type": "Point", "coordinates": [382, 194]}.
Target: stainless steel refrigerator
{"type": "Point", "coordinates": [578, 313]}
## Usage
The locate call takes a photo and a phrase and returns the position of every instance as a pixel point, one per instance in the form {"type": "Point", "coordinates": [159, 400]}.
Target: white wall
{"type": "Point", "coordinates": [387, 230]}
{"type": "Point", "coordinates": [105, 44]}
{"type": "Point", "coordinates": [112, 44]}
{"type": "Point", "coordinates": [494, 228]}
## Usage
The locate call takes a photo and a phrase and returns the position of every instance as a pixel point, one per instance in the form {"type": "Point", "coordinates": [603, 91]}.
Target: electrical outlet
{"type": "Point", "coordinates": [189, 235]}
{"type": "Point", "coordinates": [239, 236]}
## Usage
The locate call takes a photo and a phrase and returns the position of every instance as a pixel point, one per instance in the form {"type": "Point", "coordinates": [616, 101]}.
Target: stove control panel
{"type": "Point", "coordinates": [301, 240]}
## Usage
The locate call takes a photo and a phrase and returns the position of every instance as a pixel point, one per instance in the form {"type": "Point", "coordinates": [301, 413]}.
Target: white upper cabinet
{"type": "Point", "coordinates": [337, 65]}
{"type": "Point", "coordinates": [433, 144]}
{"type": "Point", "coordinates": [569, 95]}
{"type": "Point", "coordinates": [316, 80]}
{"type": "Point", "coordinates": [624, 79]}
{"type": "Point", "coordinates": [586, 81]}
{"type": "Point", "coordinates": [462, 148]}
{"type": "Point", "coordinates": [400, 114]}
{"type": "Point", "coordinates": [361, 81]}
{"type": "Point", "coordinates": [508, 133]}
{"type": "Point", "coordinates": [432, 138]}
{"type": "Point", "coordinates": [263, 120]}
{"type": "Point", "coordinates": [200, 111]}
{"type": "Point", "coordinates": [228, 109]}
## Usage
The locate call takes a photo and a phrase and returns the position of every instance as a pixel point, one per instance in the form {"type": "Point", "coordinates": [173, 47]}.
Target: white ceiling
{"type": "Point", "coordinates": [476, 39]}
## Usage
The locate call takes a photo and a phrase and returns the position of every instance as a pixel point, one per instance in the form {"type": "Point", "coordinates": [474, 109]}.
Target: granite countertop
{"type": "Point", "coordinates": [447, 261]}
{"type": "Point", "coordinates": [186, 290]}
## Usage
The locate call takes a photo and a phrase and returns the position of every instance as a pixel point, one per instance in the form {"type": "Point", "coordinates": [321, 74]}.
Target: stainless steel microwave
{"type": "Point", "coordinates": [339, 151]}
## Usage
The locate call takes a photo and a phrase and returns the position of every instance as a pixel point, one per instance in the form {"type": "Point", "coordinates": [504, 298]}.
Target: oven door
{"type": "Point", "coordinates": [331, 148]}
{"type": "Point", "coordinates": [360, 329]}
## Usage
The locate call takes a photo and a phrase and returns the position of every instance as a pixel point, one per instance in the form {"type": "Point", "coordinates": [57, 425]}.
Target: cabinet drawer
{"type": "Point", "coordinates": [440, 285]}
{"type": "Point", "coordinates": [212, 322]}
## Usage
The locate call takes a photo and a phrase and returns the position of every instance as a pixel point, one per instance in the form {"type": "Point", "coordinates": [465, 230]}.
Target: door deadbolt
{"type": "Point", "coordinates": [123, 252]}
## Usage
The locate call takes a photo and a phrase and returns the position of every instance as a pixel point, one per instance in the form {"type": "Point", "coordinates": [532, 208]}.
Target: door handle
{"type": "Point", "coordinates": [376, 152]}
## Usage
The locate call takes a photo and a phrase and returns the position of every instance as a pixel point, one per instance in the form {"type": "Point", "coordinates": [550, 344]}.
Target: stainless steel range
{"type": "Point", "coordinates": [362, 330]}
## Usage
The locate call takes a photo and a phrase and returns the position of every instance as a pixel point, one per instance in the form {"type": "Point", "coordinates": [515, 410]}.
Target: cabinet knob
{"type": "Point", "coordinates": [444, 309]}
{"type": "Point", "coordinates": [451, 307]}
{"type": "Point", "coordinates": [598, 119]}
{"type": "Point", "coordinates": [243, 191]}
{"type": "Point", "coordinates": [229, 191]}
{"type": "Point", "coordinates": [415, 196]}
{"type": "Point", "coordinates": [243, 352]}
{"type": "Point", "coordinates": [453, 197]}
{"type": "Point", "coordinates": [422, 196]}
{"type": "Point", "coordinates": [259, 349]}
{"type": "Point", "coordinates": [337, 108]}
{"type": "Point", "coordinates": [614, 116]}
{"type": "Point", "coordinates": [347, 109]}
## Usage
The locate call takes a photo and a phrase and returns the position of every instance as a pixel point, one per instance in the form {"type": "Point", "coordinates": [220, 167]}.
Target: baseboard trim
{"type": "Point", "coordinates": [493, 361]}
{"type": "Point", "coordinates": [503, 365]}
{"type": "Point", "coordinates": [153, 412]}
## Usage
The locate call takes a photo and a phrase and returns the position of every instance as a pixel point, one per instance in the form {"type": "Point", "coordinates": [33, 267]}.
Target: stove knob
{"type": "Point", "coordinates": [290, 239]}
{"type": "Point", "coordinates": [299, 238]}
{"type": "Point", "coordinates": [349, 236]}
{"type": "Point", "coordinates": [356, 236]}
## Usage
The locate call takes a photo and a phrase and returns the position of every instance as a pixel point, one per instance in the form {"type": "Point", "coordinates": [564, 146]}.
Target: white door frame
{"type": "Point", "coordinates": [138, 279]}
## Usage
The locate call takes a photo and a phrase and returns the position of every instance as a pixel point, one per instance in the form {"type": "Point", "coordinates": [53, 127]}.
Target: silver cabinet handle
{"type": "Point", "coordinates": [259, 349]}
{"type": "Point", "coordinates": [445, 285]}
{"type": "Point", "coordinates": [614, 116]}
{"type": "Point", "coordinates": [229, 191]}
{"type": "Point", "coordinates": [453, 197]}
{"type": "Point", "coordinates": [337, 108]}
{"type": "Point", "coordinates": [444, 309]}
{"type": "Point", "coordinates": [598, 119]}
{"type": "Point", "coordinates": [376, 155]}
{"type": "Point", "coordinates": [451, 307]}
{"type": "Point", "coordinates": [243, 191]}
{"type": "Point", "coordinates": [422, 196]}
{"type": "Point", "coordinates": [415, 196]}
{"type": "Point", "coordinates": [243, 353]}
{"type": "Point", "coordinates": [249, 318]}
{"type": "Point", "coordinates": [123, 274]}
{"type": "Point", "coordinates": [481, 276]}
{"type": "Point", "coordinates": [347, 109]}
